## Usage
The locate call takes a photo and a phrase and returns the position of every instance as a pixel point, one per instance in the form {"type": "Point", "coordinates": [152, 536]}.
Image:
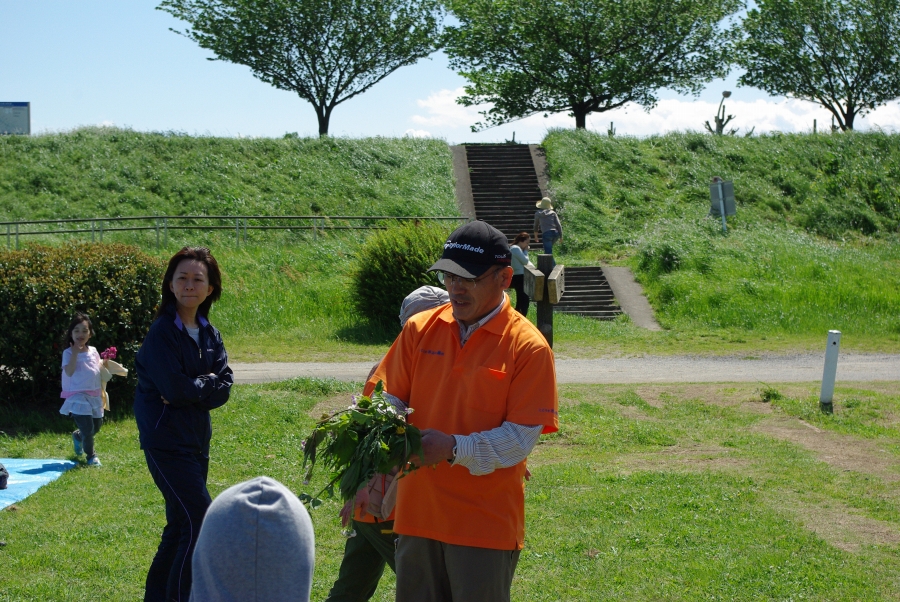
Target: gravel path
{"type": "Point", "coordinates": [647, 369]}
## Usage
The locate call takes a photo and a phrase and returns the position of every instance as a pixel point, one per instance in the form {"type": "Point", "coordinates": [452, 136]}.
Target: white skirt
{"type": "Point", "coordinates": [82, 404]}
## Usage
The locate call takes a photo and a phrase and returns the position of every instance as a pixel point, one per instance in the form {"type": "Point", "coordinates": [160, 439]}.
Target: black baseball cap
{"type": "Point", "coordinates": [472, 249]}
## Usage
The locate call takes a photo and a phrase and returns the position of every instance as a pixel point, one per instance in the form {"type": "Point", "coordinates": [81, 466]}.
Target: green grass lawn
{"type": "Point", "coordinates": [651, 492]}
{"type": "Point", "coordinates": [842, 187]}
{"type": "Point", "coordinates": [814, 245]}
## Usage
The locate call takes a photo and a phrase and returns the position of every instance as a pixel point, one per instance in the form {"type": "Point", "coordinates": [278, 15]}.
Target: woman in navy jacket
{"type": "Point", "coordinates": [183, 373]}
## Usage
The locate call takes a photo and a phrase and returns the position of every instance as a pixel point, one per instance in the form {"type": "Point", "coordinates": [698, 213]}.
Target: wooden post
{"type": "Point", "coordinates": [534, 283]}
{"type": "Point", "coordinates": [545, 286]}
{"type": "Point", "coordinates": [544, 309]}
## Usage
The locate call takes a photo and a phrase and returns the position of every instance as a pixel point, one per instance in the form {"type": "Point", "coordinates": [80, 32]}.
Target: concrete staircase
{"type": "Point", "coordinates": [588, 294]}
{"type": "Point", "coordinates": [498, 183]}
{"type": "Point", "coordinates": [504, 185]}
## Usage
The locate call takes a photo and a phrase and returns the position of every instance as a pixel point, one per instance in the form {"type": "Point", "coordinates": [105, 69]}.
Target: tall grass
{"type": "Point", "coordinates": [106, 172]}
{"type": "Point", "coordinates": [291, 301]}
{"type": "Point", "coordinates": [814, 245]}
{"type": "Point", "coordinates": [768, 279]}
{"type": "Point", "coordinates": [837, 186]}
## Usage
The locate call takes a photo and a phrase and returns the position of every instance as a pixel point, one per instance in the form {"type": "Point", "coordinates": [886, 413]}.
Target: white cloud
{"type": "Point", "coordinates": [411, 133]}
{"type": "Point", "coordinates": [452, 121]}
{"type": "Point", "coordinates": [677, 114]}
{"type": "Point", "coordinates": [443, 110]}
{"type": "Point", "coordinates": [447, 119]}
{"type": "Point", "coordinates": [886, 118]}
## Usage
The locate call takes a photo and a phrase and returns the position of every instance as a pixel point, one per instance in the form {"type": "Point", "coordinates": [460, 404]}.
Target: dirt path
{"type": "Point", "coordinates": [647, 369]}
{"type": "Point", "coordinates": [840, 525]}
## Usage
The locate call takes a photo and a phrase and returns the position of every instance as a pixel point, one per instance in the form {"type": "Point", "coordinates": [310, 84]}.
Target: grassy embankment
{"type": "Point", "coordinates": [646, 493]}
{"type": "Point", "coordinates": [815, 244]}
{"type": "Point", "coordinates": [813, 247]}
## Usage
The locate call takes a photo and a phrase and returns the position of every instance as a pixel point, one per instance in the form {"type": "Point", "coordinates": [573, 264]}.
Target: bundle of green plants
{"type": "Point", "coordinates": [42, 287]}
{"type": "Point", "coordinates": [392, 264]}
{"type": "Point", "coordinates": [371, 436]}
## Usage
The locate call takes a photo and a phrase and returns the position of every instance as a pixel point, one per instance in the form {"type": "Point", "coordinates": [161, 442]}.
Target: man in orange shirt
{"type": "Point", "coordinates": [481, 382]}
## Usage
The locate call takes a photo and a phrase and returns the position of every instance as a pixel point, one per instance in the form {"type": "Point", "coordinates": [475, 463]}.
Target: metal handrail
{"type": "Point", "coordinates": [139, 217]}
{"type": "Point", "coordinates": [240, 224]}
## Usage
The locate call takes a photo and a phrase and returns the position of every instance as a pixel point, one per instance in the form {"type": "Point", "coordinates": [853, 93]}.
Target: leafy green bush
{"type": "Point", "coordinates": [769, 393]}
{"type": "Point", "coordinates": [392, 264]}
{"type": "Point", "coordinates": [40, 289]}
{"type": "Point", "coordinates": [660, 257]}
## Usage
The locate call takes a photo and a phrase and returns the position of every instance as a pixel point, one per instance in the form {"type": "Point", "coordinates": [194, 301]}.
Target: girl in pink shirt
{"type": "Point", "coordinates": [81, 386]}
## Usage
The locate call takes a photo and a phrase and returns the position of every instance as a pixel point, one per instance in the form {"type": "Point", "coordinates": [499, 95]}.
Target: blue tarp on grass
{"type": "Point", "coordinates": [27, 476]}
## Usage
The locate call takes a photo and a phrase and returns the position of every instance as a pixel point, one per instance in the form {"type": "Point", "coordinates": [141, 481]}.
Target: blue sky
{"type": "Point", "coordinates": [106, 62]}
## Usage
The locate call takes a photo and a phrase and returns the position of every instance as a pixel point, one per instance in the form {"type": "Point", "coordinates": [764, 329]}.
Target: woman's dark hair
{"type": "Point", "coordinates": [77, 318]}
{"type": "Point", "coordinates": [521, 236]}
{"type": "Point", "coordinates": [203, 255]}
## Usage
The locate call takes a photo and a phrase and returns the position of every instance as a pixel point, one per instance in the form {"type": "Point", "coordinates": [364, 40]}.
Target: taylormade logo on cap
{"type": "Point", "coordinates": [472, 249]}
{"type": "Point", "coordinates": [464, 247]}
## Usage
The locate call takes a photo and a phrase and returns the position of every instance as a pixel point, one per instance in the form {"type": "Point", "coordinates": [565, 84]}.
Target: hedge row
{"type": "Point", "coordinates": [41, 287]}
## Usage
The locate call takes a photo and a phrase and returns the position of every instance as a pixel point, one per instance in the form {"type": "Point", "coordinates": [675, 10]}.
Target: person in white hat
{"type": "Point", "coordinates": [546, 219]}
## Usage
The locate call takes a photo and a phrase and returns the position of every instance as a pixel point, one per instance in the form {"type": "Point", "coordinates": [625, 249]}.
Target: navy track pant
{"type": "Point", "coordinates": [181, 477]}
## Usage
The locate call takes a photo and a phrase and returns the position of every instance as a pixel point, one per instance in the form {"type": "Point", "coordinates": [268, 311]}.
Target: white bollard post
{"type": "Point", "coordinates": [831, 358]}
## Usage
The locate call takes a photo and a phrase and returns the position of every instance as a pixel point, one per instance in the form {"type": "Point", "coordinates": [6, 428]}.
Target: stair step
{"type": "Point", "coordinates": [593, 293]}
{"type": "Point", "coordinates": [495, 186]}
{"type": "Point", "coordinates": [505, 189]}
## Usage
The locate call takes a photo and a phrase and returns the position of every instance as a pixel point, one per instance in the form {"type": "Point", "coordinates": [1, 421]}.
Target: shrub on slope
{"type": "Point", "coordinates": [42, 287]}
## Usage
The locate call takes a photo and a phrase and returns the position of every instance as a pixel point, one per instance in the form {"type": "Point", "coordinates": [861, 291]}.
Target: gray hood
{"type": "Point", "coordinates": [256, 544]}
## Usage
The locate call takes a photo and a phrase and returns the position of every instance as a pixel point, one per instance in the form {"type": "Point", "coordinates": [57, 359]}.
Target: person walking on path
{"type": "Point", "coordinates": [82, 387]}
{"type": "Point", "coordinates": [520, 260]}
{"type": "Point", "coordinates": [183, 373]}
{"type": "Point", "coordinates": [256, 543]}
{"type": "Point", "coordinates": [372, 547]}
{"type": "Point", "coordinates": [480, 380]}
{"type": "Point", "coordinates": [547, 221]}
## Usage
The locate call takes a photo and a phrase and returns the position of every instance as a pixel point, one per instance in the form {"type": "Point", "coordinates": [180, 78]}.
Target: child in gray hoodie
{"type": "Point", "coordinates": [256, 543]}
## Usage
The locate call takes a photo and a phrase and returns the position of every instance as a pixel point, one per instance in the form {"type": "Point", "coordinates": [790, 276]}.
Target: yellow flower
{"type": "Point", "coordinates": [401, 430]}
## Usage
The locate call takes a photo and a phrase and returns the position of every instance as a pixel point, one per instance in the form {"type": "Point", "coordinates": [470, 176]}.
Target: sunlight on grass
{"type": "Point", "coordinates": [646, 493]}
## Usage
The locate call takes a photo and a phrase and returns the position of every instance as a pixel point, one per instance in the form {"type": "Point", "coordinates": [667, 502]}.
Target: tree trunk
{"type": "Point", "coordinates": [324, 115]}
{"type": "Point", "coordinates": [580, 118]}
{"type": "Point", "coordinates": [849, 115]}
